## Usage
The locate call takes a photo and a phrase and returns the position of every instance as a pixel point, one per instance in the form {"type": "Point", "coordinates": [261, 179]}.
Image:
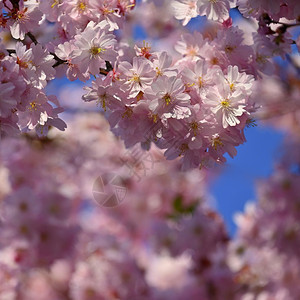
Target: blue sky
{"type": "Point", "coordinates": [236, 184]}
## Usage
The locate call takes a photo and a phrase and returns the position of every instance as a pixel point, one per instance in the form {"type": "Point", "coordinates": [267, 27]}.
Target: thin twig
{"type": "Point", "coordinates": [15, 4]}
{"type": "Point", "coordinates": [32, 37]}
{"type": "Point", "coordinates": [58, 60]}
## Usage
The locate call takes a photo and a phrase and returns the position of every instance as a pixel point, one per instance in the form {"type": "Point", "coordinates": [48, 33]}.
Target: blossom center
{"type": "Point", "coordinates": [217, 143]}
{"type": "Point", "coordinates": [194, 125]}
{"type": "Point", "coordinates": [128, 113]}
{"type": "Point", "coordinates": [21, 15]}
{"type": "Point", "coordinates": [183, 148]}
{"type": "Point", "coordinates": [261, 59]}
{"type": "Point", "coordinates": [81, 6]}
{"type": "Point", "coordinates": [214, 61]}
{"type": "Point", "coordinates": [225, 103]}
{"type": "Point", "coordinates": [96, 50]}
{"type": "Point", "coordinates": [55, 2]}
{"type": "Point", "coordinates": [23, 206]}
{"type": "Point", "coordinates": [200, 82]}
{"type": "Point", "coordinates": [167, 99]}
{"type": "Point", "coordinates": [135, 78]}
{"type": "Point", "coordinates": [22, 64]}
{"type": "Point", "coordinates": [191, 51]}
{"type": "Point", "coordinates": [229, 49]}
{"type": "Point", "coordinates": [158, 72]}
{"type": "Point", "coordinates": [145, 50]}
{"type": "Point", "coordinates": [32, 106]}
{"type": "Point", "coordinates": [102, 99]}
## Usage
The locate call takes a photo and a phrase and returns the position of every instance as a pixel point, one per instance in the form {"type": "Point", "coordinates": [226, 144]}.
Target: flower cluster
{"type": "Point", "coordinates": [217, 10]}
{"type": "Point", "coordinates": [265, 254]}
{"type": "Point", "coordinates": [163, 242]}
{"type": "Point", "coordinates": [196, 108]}
{"type": "Point", "coordinates": [30, 64]}
{"type": "Point", "coordinates": [194, 104]}
{"type": "Point", "coordinates": [24, 104]}
{"type": "Point", "coordinates": [192, 97]}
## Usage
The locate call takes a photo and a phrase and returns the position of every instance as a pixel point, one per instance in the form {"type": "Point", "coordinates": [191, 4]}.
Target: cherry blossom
{"type": "Point", "coordinates": [155, 116]}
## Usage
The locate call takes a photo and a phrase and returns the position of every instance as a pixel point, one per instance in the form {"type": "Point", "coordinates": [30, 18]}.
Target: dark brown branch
{"type": "Point", "coordinates": [103, 71]}
{"type": "Point", "coordinates": [109, 67]}
{"type": "Point", "coordinates": [58, 60]}
{"type": "Point", "coordinates": [62, 61]}
{"type": "Point", "coordinates": [15, 4]}
{"type": "Point", "coordinates": [32, 37]}
{"type": "Point", "coordinates": [10, 51]}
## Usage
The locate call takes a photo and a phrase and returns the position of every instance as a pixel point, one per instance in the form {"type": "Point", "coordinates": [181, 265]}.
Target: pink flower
{"type": "Point", "coordinates": [35, 64]}
{"type": "Point", "coordinates": [138, 76]}
{"type": "Point", "coordinates": [227, 106]}
{"type": "Point", "coordinates": [217, 10]}
{"type": "Point", "coordinates": [167, 98]}
{"type": "Point", "coordinates": [64, 52]}
{"type": "Point", "coordinates": [201, 77]}
{"type": "Point", "coordinates": [93, 47]}
{"type": "Point", "coordinates": [40, 114]}
{"type": "Point", "coordinates": [52, 9]}
{"type": "Point", "coordinates": [239, 81]}
{"type": "Point", "coordinates": [108, 11]}
{"type": "Point", "coordinates": [23, 20]}
{"type": "Point", "coordinates": [79, 9]}
{"type": "Point", "coordinates": [191, 45]}
{"type": "Point", "coordinates": [185, 10]}
{"type": "Point", "coordinates": [43, 63]}
{"type": "Point", "coordinates": [162, 65]}
{"type": "Point", "coordinates": [103, 94]}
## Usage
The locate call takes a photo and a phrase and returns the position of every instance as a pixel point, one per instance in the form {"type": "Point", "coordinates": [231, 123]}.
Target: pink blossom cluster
{"type": "Point", "coordinates": [278, 98]}
{"type": "Point", "coordinates": [28, 67]}
{"type": "Point", "coordinates": [163, 242]}
{"type": "Point", "coordinates": [216, 10]}
{"type": "Point", "coordinates": [192, 97]}
{"type": "Point", "coordinates": [274, 20]}
{"type": "Point", "coordinates": [265, 252]}
{"type": "Point", "coordinates": [194, 104]}
{"type": "Point", "coordinates": [21, 17]}
{"type": "Point", "coordinates": [24, 104]}
{"type": "Point", "coordinates": [288, 9]}
{"type": "Point", "coordinates": [195, 108]}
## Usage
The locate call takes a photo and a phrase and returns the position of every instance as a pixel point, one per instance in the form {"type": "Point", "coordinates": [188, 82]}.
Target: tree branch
{"type": "Point", "coordinates": [58, 60]}
{"type": "Point", "coordinates": [32, 37]}
{"type": "Point", "coordinates": [15, 4]}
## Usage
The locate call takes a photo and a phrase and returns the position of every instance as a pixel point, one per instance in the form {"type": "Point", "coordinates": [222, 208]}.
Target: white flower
{"type": "Point", "coordinates": [138, 76]}
{"type": "Point", "coordinates": [162, 65]}
{"type": "Point", "coordinates": [185, 10]}
{"type": "Point", "coordinates": [168, 99]}
{"type": "Point", "coordinates": [200, 77]}
{"type": "Point", "coordinates": [226, 106]}
{"type": "Point", "coordinates": [94, 47]}
{"type": "Point", "coordinates": [239, 81]}
{"type": "Point", "coordinates": [217, 10]}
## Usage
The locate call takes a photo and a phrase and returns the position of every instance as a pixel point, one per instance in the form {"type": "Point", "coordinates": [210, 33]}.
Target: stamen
{"type": "Point", "coordinates": [225, 103]}
{"type": "Point", "coordinates": [96, 50]}
{"type": "Point", "coordinates": [217, 143]}
{"type": "Point", "coordinates": [167, 99]}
